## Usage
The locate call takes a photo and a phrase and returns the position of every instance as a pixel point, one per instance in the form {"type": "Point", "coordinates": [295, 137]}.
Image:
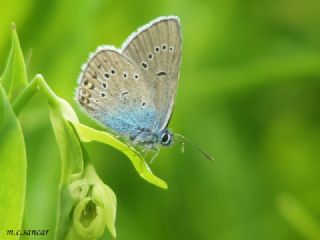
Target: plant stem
{"type": "Point", "coordinates": [37, 83]}
{"type": "Point", "coordinates": [25, 96]}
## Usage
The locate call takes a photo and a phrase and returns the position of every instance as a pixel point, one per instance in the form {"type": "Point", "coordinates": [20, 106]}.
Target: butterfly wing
{"type": "Point", "coordinates": [156, 50]}
{"type": "Point", "coordinates": [112, 89]}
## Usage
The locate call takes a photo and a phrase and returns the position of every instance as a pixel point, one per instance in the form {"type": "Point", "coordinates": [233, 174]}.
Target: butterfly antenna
{"type": "Point", "coordinates": [183, 140]}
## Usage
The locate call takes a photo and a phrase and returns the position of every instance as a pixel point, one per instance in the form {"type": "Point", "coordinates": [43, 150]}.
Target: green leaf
{"type": "Point", "coordinates": [14, 77]}
{"type": "Point", "coordinates": [13, 169]}
{"type": "Point", "coordinates": [88, 134]}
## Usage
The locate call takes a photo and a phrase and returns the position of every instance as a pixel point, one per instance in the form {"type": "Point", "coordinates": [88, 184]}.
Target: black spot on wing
{"type": "Point", "coordinates": [161, 73]}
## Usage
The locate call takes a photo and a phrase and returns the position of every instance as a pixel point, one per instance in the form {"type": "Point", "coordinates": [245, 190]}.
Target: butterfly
{"type": "Point", "coordinates": [132, 90]}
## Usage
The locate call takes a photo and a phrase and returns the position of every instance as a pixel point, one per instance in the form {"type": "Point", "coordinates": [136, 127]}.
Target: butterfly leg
{"type": "Point", "coordinates": [156, 152]}
{"type": "Point", "coordinates": [145, 151]}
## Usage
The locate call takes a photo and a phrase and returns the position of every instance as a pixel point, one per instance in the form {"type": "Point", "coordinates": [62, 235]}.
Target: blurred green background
{"type": "Point", "coordinates": [249, 94]}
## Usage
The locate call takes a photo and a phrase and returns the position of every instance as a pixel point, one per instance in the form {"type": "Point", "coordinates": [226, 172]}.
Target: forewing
{"type": "Point", "coordinates": [156, 50]}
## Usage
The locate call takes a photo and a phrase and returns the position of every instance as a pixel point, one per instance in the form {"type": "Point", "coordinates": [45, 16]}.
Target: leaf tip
{"type": "Point", "coordinates": [39, 75]}
{"type": "Point", "coordinates": [165, 186]}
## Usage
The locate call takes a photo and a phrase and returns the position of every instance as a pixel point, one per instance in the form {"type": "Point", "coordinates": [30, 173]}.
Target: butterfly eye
{"type": "Point", "coordinates": [136, 76]}
{"type": "Point", "coordinates": [157, 49]}
{"type": "Point", "coordinates": [171, 49]}
{"type": "Point", "coordinates": [166, 138]}
{"type": "Point", "coordinates": [104, 85]}
{"type": "Point", "coordinates": [150, 56]}
{"type": "Point", "coordinates": [125, 75]}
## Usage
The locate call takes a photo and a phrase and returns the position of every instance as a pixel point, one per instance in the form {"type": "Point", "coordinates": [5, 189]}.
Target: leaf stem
{"type": "Point", "coordinates": [37, 83]}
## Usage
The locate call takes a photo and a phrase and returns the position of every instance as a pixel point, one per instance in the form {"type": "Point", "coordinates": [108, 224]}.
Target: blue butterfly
{"type": "Point", "coordinates": [132, 90]}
